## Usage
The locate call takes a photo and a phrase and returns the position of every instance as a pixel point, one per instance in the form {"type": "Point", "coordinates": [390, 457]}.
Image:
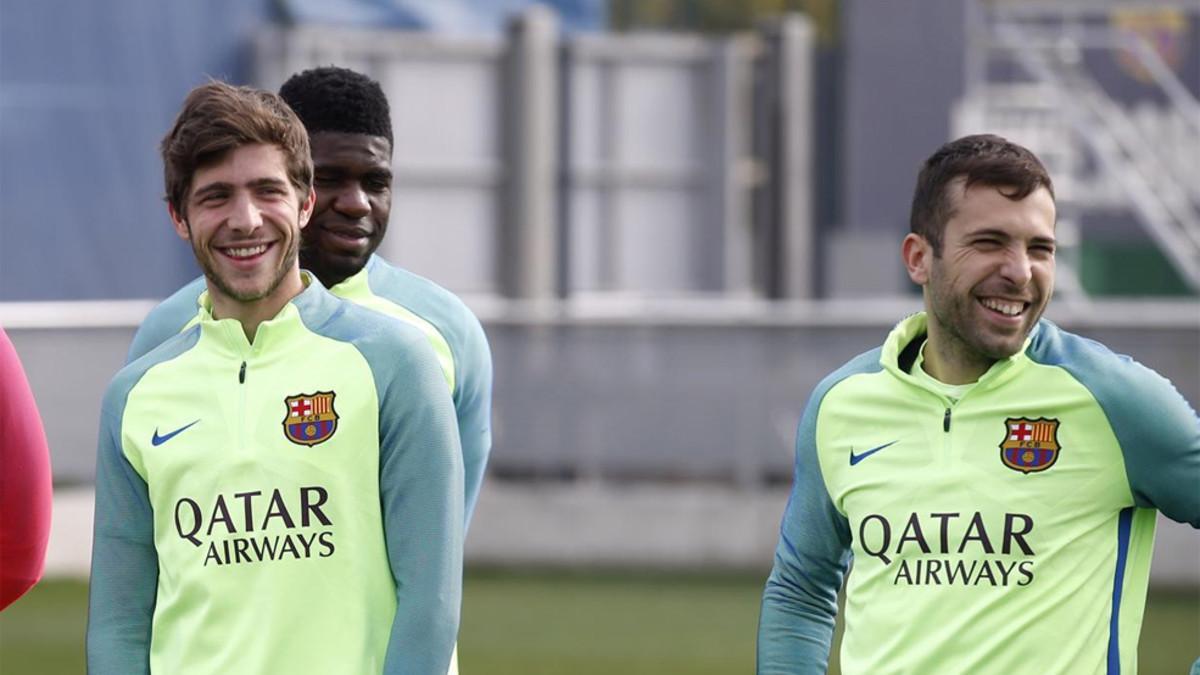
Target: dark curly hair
{"type": "Point", "coordinates": [330, 98]}
{"type": "Point", "coordinates": [982, 159]}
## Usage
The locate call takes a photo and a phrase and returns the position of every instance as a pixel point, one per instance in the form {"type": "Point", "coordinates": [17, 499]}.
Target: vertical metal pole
{"type": "Point", "coordinates": [789, 247]}
{"type": "Point", "coordinates": [528, 243]}
{"type": "Point", "coordinates": [729, 182]}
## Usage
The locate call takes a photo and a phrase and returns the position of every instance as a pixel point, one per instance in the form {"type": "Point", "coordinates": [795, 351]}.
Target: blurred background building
{"type": "Point", "coordinates": [673, 216]}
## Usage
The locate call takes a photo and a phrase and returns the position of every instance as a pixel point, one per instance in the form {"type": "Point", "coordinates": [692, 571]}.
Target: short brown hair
{"type": "Point", "coordinates": [982, 159]}
{"type": "Point", "coordinates": [217, 118]}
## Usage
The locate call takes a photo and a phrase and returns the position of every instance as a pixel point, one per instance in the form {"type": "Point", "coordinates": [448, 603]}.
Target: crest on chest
{"type": "Point", "coordinates": [310, 418]}
{"type": "Point", "coordinates": [1029, 445]}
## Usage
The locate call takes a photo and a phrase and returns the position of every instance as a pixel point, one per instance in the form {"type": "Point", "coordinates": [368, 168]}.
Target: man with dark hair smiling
{"type": "Point", "coordinates": [994, 479]}
{"type": "Point", "coordinates": [350, 131]}
{"type": "Point", "coordinates": [279, 486]}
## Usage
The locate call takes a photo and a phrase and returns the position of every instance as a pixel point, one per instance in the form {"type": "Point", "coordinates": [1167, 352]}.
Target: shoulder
{"type": "Point", "coordinates": [134, 372]}
{"type": "Point", "coordinates": [425, 298]}
{"type": "Point", "coordinates": [1124, 388]}
{"type": "Point", "coordinates": [1109, 376]}
{"type": "Point", "coordinates": [390, 347]}
{"type": "Point", "coordinates": [868, 362]}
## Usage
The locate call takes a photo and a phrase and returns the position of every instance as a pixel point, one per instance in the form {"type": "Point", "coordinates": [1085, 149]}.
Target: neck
{"type": "Point", "coordinates": [252, 313]}
{"type": "Point", "coordinates": [949, 361]}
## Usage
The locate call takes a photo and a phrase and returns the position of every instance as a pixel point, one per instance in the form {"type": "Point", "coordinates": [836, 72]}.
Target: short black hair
{"type": "Point", "coordinates": [330, 98]}
{"type": "Point", "coordinates": [982, 159]}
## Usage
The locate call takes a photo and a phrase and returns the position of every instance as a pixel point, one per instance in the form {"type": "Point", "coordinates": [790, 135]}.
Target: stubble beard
{"type": "Point", "coordinates": [964, 340]}
{"type": "Point", "coordinates": [207, 265]}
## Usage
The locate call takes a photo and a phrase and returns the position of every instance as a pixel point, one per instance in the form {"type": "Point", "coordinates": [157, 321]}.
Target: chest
{"type": "Point", "coordinates": [1041, 452]}
{"type": "Point", "coordinates": [219, 420]}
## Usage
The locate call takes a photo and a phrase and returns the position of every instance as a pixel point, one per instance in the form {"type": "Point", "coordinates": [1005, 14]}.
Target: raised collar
{"type": "Point", "coordinates": [912, 330]}
{"type": "Point", "coordinates": [311, 307]}
{"type": "Point", "coordinates": [358, 285]}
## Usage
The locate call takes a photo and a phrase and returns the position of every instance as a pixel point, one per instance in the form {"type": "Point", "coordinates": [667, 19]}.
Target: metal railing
{"type": "Point", "coordinates": [1089, 139]}
{"type": "Point", "coordinates": [558, 165]}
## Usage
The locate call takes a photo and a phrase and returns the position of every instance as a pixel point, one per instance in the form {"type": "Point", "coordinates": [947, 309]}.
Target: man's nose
{"type": "Point", "coordinates": [245, 215]}
{"type": "Point", "coordinates": [1017, 268]}
{"type": "Point", "coordinates": [353, 202]}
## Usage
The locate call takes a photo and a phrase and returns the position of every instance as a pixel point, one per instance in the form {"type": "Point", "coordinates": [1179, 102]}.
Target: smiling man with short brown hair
{"type": "Point", "coordinates": [994, 479]}
{"type": "Point", "coordinates": [279, 486]}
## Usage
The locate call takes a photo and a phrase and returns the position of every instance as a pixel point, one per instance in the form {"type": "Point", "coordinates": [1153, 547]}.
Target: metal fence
{"type": "Point", "coordinates": [539, 166]}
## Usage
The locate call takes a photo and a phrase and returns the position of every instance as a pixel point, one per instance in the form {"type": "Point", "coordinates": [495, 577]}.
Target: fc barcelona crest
{"type": "Point", "coordinates": [1029, 445]}
{"type": "Point", "coordinates": [310, 418]}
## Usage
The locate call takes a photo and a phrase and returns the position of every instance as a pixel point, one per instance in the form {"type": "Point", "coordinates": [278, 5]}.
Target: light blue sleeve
{"type": "Point", "coordinates": [472, 360]}
{"type": "Point", "coordinates": [1157, 429]}
{"type": "Point", "coordinates": [124, 575]}
{"type": "Point", "coordinates": [799, 604]}
{"type": "Point", "coordinates": [421, 491]}
{"type": "Point", "coordinates": [473, 408]}
{"type": "Point", "coordinates": [166, 319]}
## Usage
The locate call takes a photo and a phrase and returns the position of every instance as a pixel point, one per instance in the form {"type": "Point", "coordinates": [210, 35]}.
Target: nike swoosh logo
{"type": "Point", "coordinates": [855, 459]}
{"type": "Point", "coordinates": [159, 440]}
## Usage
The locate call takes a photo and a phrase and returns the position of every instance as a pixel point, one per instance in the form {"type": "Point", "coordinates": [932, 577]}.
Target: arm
{"type": "Point", "coordinates": [421, 490]}
{"type": "Point", "coordinates": [25, 482]}
{"type": "Point", "coordinates": [1160, 440]}
{"type": "Point", "coordinates": [124, 579]}
{"type": "Point", "coordinates": [473, 408]}
{"type": "Point", "coordinates": [800, 601]}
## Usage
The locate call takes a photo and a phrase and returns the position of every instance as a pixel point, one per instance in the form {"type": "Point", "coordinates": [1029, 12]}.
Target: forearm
{"type": "Point", "coordinates": [421, 488]}
{"type": "Point", "coordinates": [124, 574]}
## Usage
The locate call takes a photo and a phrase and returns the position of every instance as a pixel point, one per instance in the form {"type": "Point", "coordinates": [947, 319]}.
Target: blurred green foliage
{"type": "Point", "coordinates": [720, 16]}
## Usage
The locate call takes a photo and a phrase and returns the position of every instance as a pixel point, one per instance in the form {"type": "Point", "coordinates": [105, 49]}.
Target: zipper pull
{"type": "Point", "coordinates": [945, 420]}
{"type": "Point", "coordinates": [242, 380]}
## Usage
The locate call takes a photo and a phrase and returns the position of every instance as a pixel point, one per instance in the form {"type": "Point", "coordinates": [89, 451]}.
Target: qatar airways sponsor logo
{"type": "Point", "coordinates": [952, 549]}
{"type": "Point", "coordinates": [257, 526]}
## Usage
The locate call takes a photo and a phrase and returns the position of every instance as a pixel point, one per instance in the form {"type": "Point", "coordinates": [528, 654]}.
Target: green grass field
{"type": "Point", "coordinates": [555, 623]}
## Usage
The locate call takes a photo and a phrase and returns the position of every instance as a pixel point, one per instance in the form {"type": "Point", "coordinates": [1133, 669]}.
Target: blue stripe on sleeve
{"type": "Point", "coordinates": [1114, 647]}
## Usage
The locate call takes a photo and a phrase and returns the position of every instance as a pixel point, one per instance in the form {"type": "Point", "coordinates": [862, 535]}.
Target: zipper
{"type": "Point", "coordinates": [945, 418]}
{"type": "Point", "coordinates": [241, 415]}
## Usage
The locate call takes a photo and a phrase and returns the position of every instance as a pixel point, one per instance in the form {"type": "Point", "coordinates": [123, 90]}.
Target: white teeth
{"type": "Point", "coordinates": [246, 252]}
{"type": "Point", "coordinates": [1007, 308]}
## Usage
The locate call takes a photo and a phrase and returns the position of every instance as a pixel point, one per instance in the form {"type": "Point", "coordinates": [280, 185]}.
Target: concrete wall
{"type": "Point", "coordinates": [640, 435]}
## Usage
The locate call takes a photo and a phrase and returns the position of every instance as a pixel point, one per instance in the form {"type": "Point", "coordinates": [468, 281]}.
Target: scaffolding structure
{"type": "Point", "coordinates": [1031, 74]}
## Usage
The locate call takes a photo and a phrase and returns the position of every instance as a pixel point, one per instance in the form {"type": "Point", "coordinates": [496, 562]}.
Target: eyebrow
{"type": "Point", "coordinates": [340, 172]}
{"type": "Point", "coordinates": [221, 185]}
{"type": "Point", "coordinates": [1002, 234]}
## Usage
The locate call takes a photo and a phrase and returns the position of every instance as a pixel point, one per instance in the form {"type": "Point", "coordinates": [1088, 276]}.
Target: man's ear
{"type": "Point", "coordinates": [918, 256]}
{"type": "Point", "coordinates": [181, 226]}
{"type": "Point", "coordinates": [306, 207]}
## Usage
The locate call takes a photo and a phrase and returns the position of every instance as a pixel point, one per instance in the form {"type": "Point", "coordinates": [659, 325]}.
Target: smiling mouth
{"type": "Point", "coordinates": [1007, 308]}
{"type": "Point", "coordinates": [244, 252]}
{"type": "Point", "coordinates": [351, 235]}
